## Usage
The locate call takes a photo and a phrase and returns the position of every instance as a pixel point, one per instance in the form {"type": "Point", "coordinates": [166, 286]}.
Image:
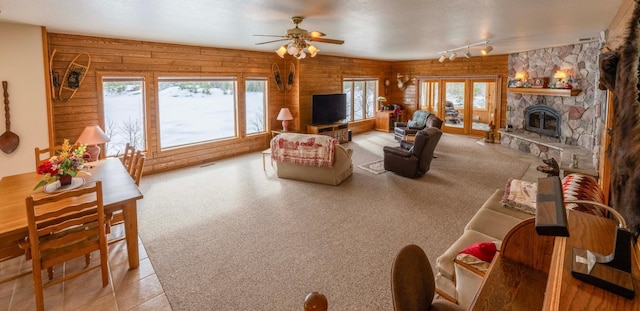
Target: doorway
{"type": "Point", "coordinates": [466, 105]}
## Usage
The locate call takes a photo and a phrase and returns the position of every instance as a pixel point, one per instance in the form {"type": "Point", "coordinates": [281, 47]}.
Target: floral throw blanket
{"type": "Point", "coordinates": [303, 149]}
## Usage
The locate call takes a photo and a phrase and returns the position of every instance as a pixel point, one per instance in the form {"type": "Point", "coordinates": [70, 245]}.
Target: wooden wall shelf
{"type": "Point", "coordinates": [544, 91]}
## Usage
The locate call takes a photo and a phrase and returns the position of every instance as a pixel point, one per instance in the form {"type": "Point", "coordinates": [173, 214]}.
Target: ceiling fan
{"type": "Point", "coordinates": [299, 47]}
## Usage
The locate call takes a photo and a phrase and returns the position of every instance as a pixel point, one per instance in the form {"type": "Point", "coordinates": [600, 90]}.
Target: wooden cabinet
{"type": "Point", "coordinates": [339, 131]}
{"type": "Point", "coordinates": [385, 121]}
{"type": "Point", "coordinates": [530, 273]}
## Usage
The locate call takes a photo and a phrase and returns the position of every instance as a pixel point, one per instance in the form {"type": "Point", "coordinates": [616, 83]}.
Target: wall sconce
{"type": "Point", "coordinates": [386, 86]}
{"type": "Point", "coordinates": [610, 272]}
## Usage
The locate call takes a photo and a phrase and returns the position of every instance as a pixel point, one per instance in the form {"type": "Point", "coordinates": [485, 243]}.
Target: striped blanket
{"type": "Point", "coordinates": [303, 149]}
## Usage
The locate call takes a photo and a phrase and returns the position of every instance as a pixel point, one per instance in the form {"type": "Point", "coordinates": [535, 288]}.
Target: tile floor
{"type": "Point", "coordinates": [137, 289]}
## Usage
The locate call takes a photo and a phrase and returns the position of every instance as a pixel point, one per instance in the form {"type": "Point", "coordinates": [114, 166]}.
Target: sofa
{"type": "Point", "coordinates": [420, 120]}
{"type": "Point", "coordinates": [458, 274]}
{"type": "Point", "coordinates": [334, 174]}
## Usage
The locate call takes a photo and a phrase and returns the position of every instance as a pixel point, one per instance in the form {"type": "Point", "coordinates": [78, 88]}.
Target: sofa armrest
{"type": "Point", "coordinates": [396, 151]}
{"type": "Point", "coordinates": [400, 124]}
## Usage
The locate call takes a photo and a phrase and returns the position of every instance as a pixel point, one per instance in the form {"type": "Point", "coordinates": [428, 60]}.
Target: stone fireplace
{"type": "Point", "coordinates": [559, 126]}
{"type": "Point", "coordinates": [543, 119]}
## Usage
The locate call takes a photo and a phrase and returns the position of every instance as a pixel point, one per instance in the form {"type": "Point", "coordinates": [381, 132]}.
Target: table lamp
{"type": "Point", "coordinates": [284, 116]}
{"type": "Point", "coordinates": [92, 136]}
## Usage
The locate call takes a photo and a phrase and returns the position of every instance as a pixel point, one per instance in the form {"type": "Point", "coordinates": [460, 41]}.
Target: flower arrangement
{"type": "Point", "coordinates": [68, 162]}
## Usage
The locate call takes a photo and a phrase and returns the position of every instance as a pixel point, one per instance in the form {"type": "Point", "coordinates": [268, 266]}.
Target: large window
{"type": "Point", "coordinates": [123, 103]}
{"type": "Point", "coordinates": [256, 99]}
{"type": "Point", "coordinates": [361, 95]}
{"type": "Point", "coordinates": [196, 110]}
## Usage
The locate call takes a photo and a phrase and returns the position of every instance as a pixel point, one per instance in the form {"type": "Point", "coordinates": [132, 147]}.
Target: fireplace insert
{"type": "Point", "coordinates": [543, 120]}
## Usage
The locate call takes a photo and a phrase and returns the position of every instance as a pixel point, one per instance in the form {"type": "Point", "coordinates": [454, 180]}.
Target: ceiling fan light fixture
{"type": "Point", "coordinates": [442, 58]}
{"type": "Point", "coordinates": [312, 50]}
{"type": "Point", "coordinates": [282, 51]}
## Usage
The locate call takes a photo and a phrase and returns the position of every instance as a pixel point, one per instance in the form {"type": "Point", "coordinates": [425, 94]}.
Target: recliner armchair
{"type": "Point", "coordinates": [416, 161]}
{"type": "Point", "coordinates": [421, 119]}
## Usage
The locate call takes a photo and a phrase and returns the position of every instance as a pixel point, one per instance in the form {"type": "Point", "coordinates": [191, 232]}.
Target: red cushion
{"type": "Point", "coordinates": [483, 250]}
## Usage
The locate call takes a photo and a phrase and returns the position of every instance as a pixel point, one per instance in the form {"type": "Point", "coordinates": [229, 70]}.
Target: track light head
{"type": "Point", "coordinates": [442, 58]}
{"type": "Point", "coordinates": [467, 54]}
{"type": "Point", "coordinates": [453, 56]}
{"type": "Point", "coordinates": [487, 49]}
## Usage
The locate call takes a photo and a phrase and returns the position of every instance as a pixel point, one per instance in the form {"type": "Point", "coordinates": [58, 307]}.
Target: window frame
{"type": "Point", "coordinates": [163, 77]}
{"type": "Point", "coordinates": [145, 78]}
{"type": "Point", "coordinates": [265, 115]}
{"type": "Point", "coordinates": [351, 100]}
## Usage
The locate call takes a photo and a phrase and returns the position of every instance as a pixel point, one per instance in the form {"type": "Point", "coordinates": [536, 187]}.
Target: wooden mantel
{"type": "Point", "coordinates": [544, 91]}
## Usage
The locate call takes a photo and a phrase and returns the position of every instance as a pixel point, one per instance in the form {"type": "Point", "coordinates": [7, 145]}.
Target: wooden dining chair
{"type": "Point", "coordinates": [45, 154]}
{"type": "Point", "coordinates": [117, 218]}
{"type": "Point", "coordinates": [126, 158]}
{"type": "Point", "coordinates": [62, 227]}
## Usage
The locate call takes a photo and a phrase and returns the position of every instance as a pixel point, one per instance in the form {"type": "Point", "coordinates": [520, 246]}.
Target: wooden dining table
{"type": "Point", "coordinates": [119, 193]}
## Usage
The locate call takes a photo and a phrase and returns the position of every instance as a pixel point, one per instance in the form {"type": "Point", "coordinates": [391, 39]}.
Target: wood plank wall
{"type": "Point", "coordinates": [129, 57]}
{"type": "Point", "coordinates": [491, 65]}
{"type": "Point", "coordinates": [319, 75]}
{"type": "Point", "coordinates": [322, 74]}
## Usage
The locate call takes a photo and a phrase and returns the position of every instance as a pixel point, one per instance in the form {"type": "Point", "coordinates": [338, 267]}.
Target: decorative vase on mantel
{"type": "Point", "coordinates": [65, 180]}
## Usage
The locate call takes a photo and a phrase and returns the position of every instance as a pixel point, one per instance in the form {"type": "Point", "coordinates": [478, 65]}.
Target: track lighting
{"type": "Point", "coordinates": [487, 48]}
{"type": "Point", "coordinates": [467, 54]}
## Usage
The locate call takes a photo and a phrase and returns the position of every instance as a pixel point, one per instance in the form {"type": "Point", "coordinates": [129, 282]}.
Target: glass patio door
{"type": "Point", "coordinates": [453, 106]}
{"type": "Point", "coordinates": [468, 105]}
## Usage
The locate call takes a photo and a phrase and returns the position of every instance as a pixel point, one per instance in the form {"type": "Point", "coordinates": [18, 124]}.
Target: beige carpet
{"type": "Point", "coordinates": [230, 236]}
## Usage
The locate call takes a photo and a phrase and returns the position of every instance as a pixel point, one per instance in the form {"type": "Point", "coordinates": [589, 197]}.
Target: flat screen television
{"type": "Point", "coordinates": [328, 108]}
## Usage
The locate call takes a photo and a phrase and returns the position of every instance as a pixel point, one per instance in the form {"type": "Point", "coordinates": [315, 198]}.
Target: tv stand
{"type": "Point", "coordinates": [339, 131]}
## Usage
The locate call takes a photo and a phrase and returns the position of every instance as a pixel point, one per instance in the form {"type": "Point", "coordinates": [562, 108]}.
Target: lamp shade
{"type": "Point", "coordinates": [92, 136]}
{"type": "Point", "coordinates": [284, 116]}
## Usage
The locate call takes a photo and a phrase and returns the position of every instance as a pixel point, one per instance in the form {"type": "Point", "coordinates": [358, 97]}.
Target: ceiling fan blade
{"type": "Point", "coordinates": [324, 40]}
{"type": "Point", "coordinates": [275, 36]}
{"type": "Point", "coordinates": [285, 39]}
{"type": "Point", "coordinates": [315, 34]}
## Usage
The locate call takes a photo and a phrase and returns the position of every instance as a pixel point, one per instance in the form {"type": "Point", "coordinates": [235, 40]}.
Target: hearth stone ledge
{"type": "Point", "coordinates": [546, 147]}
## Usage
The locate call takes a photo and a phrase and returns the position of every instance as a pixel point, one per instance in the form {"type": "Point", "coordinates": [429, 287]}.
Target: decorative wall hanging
{"type": "Point", "coordinates": [291, 76]}
{"type": "Point", "coordinates": [9, 141]}
{"type": "Point", "coordinates": [74, 76]}
{"type": "Point", "coordinates": [277, 76]}
{"type": "Point", "coordinates": [55, 78]}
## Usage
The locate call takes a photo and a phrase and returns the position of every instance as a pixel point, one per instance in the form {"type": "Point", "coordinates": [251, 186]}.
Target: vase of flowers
{"type": "Point", "coordinates": [64, 165]}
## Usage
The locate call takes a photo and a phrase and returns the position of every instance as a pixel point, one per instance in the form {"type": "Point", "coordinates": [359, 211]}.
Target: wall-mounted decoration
{"type": "Point", "coordinates": [291, 76]}
{"type": "Point", "coordinates": [275, 70]}
{"type": "Point", "coordinates": [74, 76]}
{"type": "Point", "coordinates": [55, 77]}
{"type": "Point", "coordinates": [9, 141]}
